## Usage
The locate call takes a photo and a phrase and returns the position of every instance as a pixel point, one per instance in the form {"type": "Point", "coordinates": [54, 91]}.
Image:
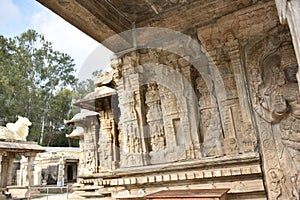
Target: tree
{"type": "Point", "coordinates": [35, 82]}
{"type": "Point", "coordinates": [84, 87]}
{"type": "Point", "coordinates": [58, 113]}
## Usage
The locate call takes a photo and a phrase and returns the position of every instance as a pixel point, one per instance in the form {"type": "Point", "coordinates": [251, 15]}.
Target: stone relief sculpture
{"type": "Point", "coordinates": [133, 141]}
{"type": "Point", "coordinates": [276, 102]}
{"type": "Point", "coordinates": [134, 106]}
{"type": "Point", "coordinates": [288, 11]}
{"type": "Point", "coordinates": [16, 131]}
{"type": "Point", "coordinates": [154, 117]}
{"type": "Point", "coordinates": [210, 124]}
{"type": "Point", "coordinates": [89, 162]}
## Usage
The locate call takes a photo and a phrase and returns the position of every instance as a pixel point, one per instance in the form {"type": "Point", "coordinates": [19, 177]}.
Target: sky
{"type": "Point", "coordinates": [17, 16]}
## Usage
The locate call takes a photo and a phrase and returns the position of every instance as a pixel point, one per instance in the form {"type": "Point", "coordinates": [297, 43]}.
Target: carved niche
{"type": "Point", "coordinates": [272, 69]}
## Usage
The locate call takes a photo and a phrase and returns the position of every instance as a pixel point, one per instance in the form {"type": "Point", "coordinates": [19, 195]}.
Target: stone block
{"type": "Point", "coordinates": [226, 172]}
{"type": "Point", "coordinates": [159, 178]}
{"type": "Point", "coordinates": [127, 181]}
{"type": "Point", "coordinates": [174, 177]}
{"type": "Point", "coordinates": [142, 180]}
{"type": "Point", "coordinates": [207, 174]}
{"type": "Point", "coordinates": [246, 170]}
{"type": "Point", "coordinates": [120, 181]}
{"type": "Point", "coordinates": [217, 173]}
{"type": "Point", "coordinates": [133, 181]}
{"type": "Point", "coordinates": [236, 171]}
{"type": "Point", "coordinates": [181, 176]}
{"type": "Point", "coordinates": [151, 179]}
{"type": "Point", "coordinates": [114, 182]}
{"type": "Point", "coordinates": [190, 175]}
{"type": "Point", "coordinates": [198, 174]}
{"type": "Point", "coordinates": [166, 177]}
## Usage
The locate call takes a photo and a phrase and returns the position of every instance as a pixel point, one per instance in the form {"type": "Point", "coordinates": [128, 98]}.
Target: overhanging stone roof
{"type": "Point", "coordinates": [81, 116]}
{"type": "Point", "coordinates": [92, 100]}
{"type": "Point", "coordinates": [21, 147]}
{"type": "Point", "coordinates": [103, 19]}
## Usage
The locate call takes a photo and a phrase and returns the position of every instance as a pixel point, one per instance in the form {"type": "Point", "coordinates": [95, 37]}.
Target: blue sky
{"type": "Point", "coordinates": [17, 16]}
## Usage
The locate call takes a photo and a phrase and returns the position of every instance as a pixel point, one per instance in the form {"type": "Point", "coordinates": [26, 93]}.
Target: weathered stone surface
{"type": "Point", "coordinates": [197, 110]}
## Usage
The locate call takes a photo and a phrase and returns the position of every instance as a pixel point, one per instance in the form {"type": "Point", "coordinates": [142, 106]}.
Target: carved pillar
{"type": "Point", "coordinates": [212, 116]}
{"type": "Point", "coordinates": [106, 141]}
{"type": "Point", "coordinates": [128, 84]}
{"type": "Point", "coordinates": [30, 168]}
{"type": "Point", "coordinates": [11, 157]}
{"type": "Point", "coordinates": [191, 111]}
{"type": "Point", "coordinates": [81, 156]}
{"type": "Point", "coordinates": [1, 167]}
{"type": "Point", "coordinates": [4, 173]}
{"type": "Point", "coordinates": [240, 114]}
{"type": "Point", "coordinates": [289, 11]}
{"type": "Point", "coordinates": [2, 196]}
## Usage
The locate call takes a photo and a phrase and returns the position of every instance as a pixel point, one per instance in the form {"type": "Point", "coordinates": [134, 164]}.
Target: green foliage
{"type": "Point", "coordinates": [85, 87]}
{"type": "Point", "coordinates": [36, 82]}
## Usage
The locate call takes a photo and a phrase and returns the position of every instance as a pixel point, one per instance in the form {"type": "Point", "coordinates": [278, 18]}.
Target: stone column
{"type": "Point", "coordinates": [289, 11]}
{"type": "Point", "coordinates": [30, 168]}
{"type": "Point", "coordinates": [11, 158]}
{"type": "Point", "coordinates": [23, 171]}
{"type": "Point", "coordinates": [61, 170]}
{"type": "Point", "coordinates": [1, 181]}
{"type": "Point", "coordinates": [4, 166]}
{"type": "Point", "coordinates": [2, 196]}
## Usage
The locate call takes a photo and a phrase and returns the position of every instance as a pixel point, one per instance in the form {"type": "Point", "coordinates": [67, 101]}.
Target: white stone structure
{"type": "Point", "coordinates": [57, 166]}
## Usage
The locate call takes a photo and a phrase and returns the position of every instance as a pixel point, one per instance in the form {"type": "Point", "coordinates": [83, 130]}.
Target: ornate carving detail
{"type": "Point", "coordinates": [276, 102]}
{"type": "Point", "coordinates": [154, 118]}
{"type": "Point", "coordinates": [240, 25]}
{"type": "Point", "coordinates": [90, 162]}
{"type": "Point", "coordinates": [288, 11]}
{"type": "Point", "coordinates": [133, 141]}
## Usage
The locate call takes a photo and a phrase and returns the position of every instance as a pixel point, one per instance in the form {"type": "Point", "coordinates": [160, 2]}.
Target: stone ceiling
{"type": "Point", "coordinates": [102, 19]}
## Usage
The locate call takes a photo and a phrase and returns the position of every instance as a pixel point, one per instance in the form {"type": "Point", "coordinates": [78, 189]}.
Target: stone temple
{"type": "Point", "coordinates": [203, 94]}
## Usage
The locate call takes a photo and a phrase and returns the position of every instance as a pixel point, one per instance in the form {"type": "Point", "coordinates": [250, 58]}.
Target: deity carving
{"type": "Point", "coordinates": [210, 123]}
{"type": "Point", "coordinates": [277, 183]}
{"type": "Point", "coordinates": [133, 141]}
{"type": "Point", "coordinates": [154, 117]}
{"type": "Point", "coordinates": [288, 11]}
{"type": "Point", "coordinates": [276, 101]}
{"type": "Point", "coordinates": [89, 162]}
{"type": "Point", "coordinates": [121, 140]}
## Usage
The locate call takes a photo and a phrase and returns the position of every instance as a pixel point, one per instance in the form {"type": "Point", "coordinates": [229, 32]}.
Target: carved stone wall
{"type": "Point", "coordinates": [108, 149]}
{"type": "Point", "coordinates": [275, 99]}
{"type": "Point", "coordinates": [261, 57]}
{"type": "Point", "coordinates": [89, 159]}
{"type": "Point", "coordinates": [158, 120]}
{"type": "Point", "coordinates": [201, 116]}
